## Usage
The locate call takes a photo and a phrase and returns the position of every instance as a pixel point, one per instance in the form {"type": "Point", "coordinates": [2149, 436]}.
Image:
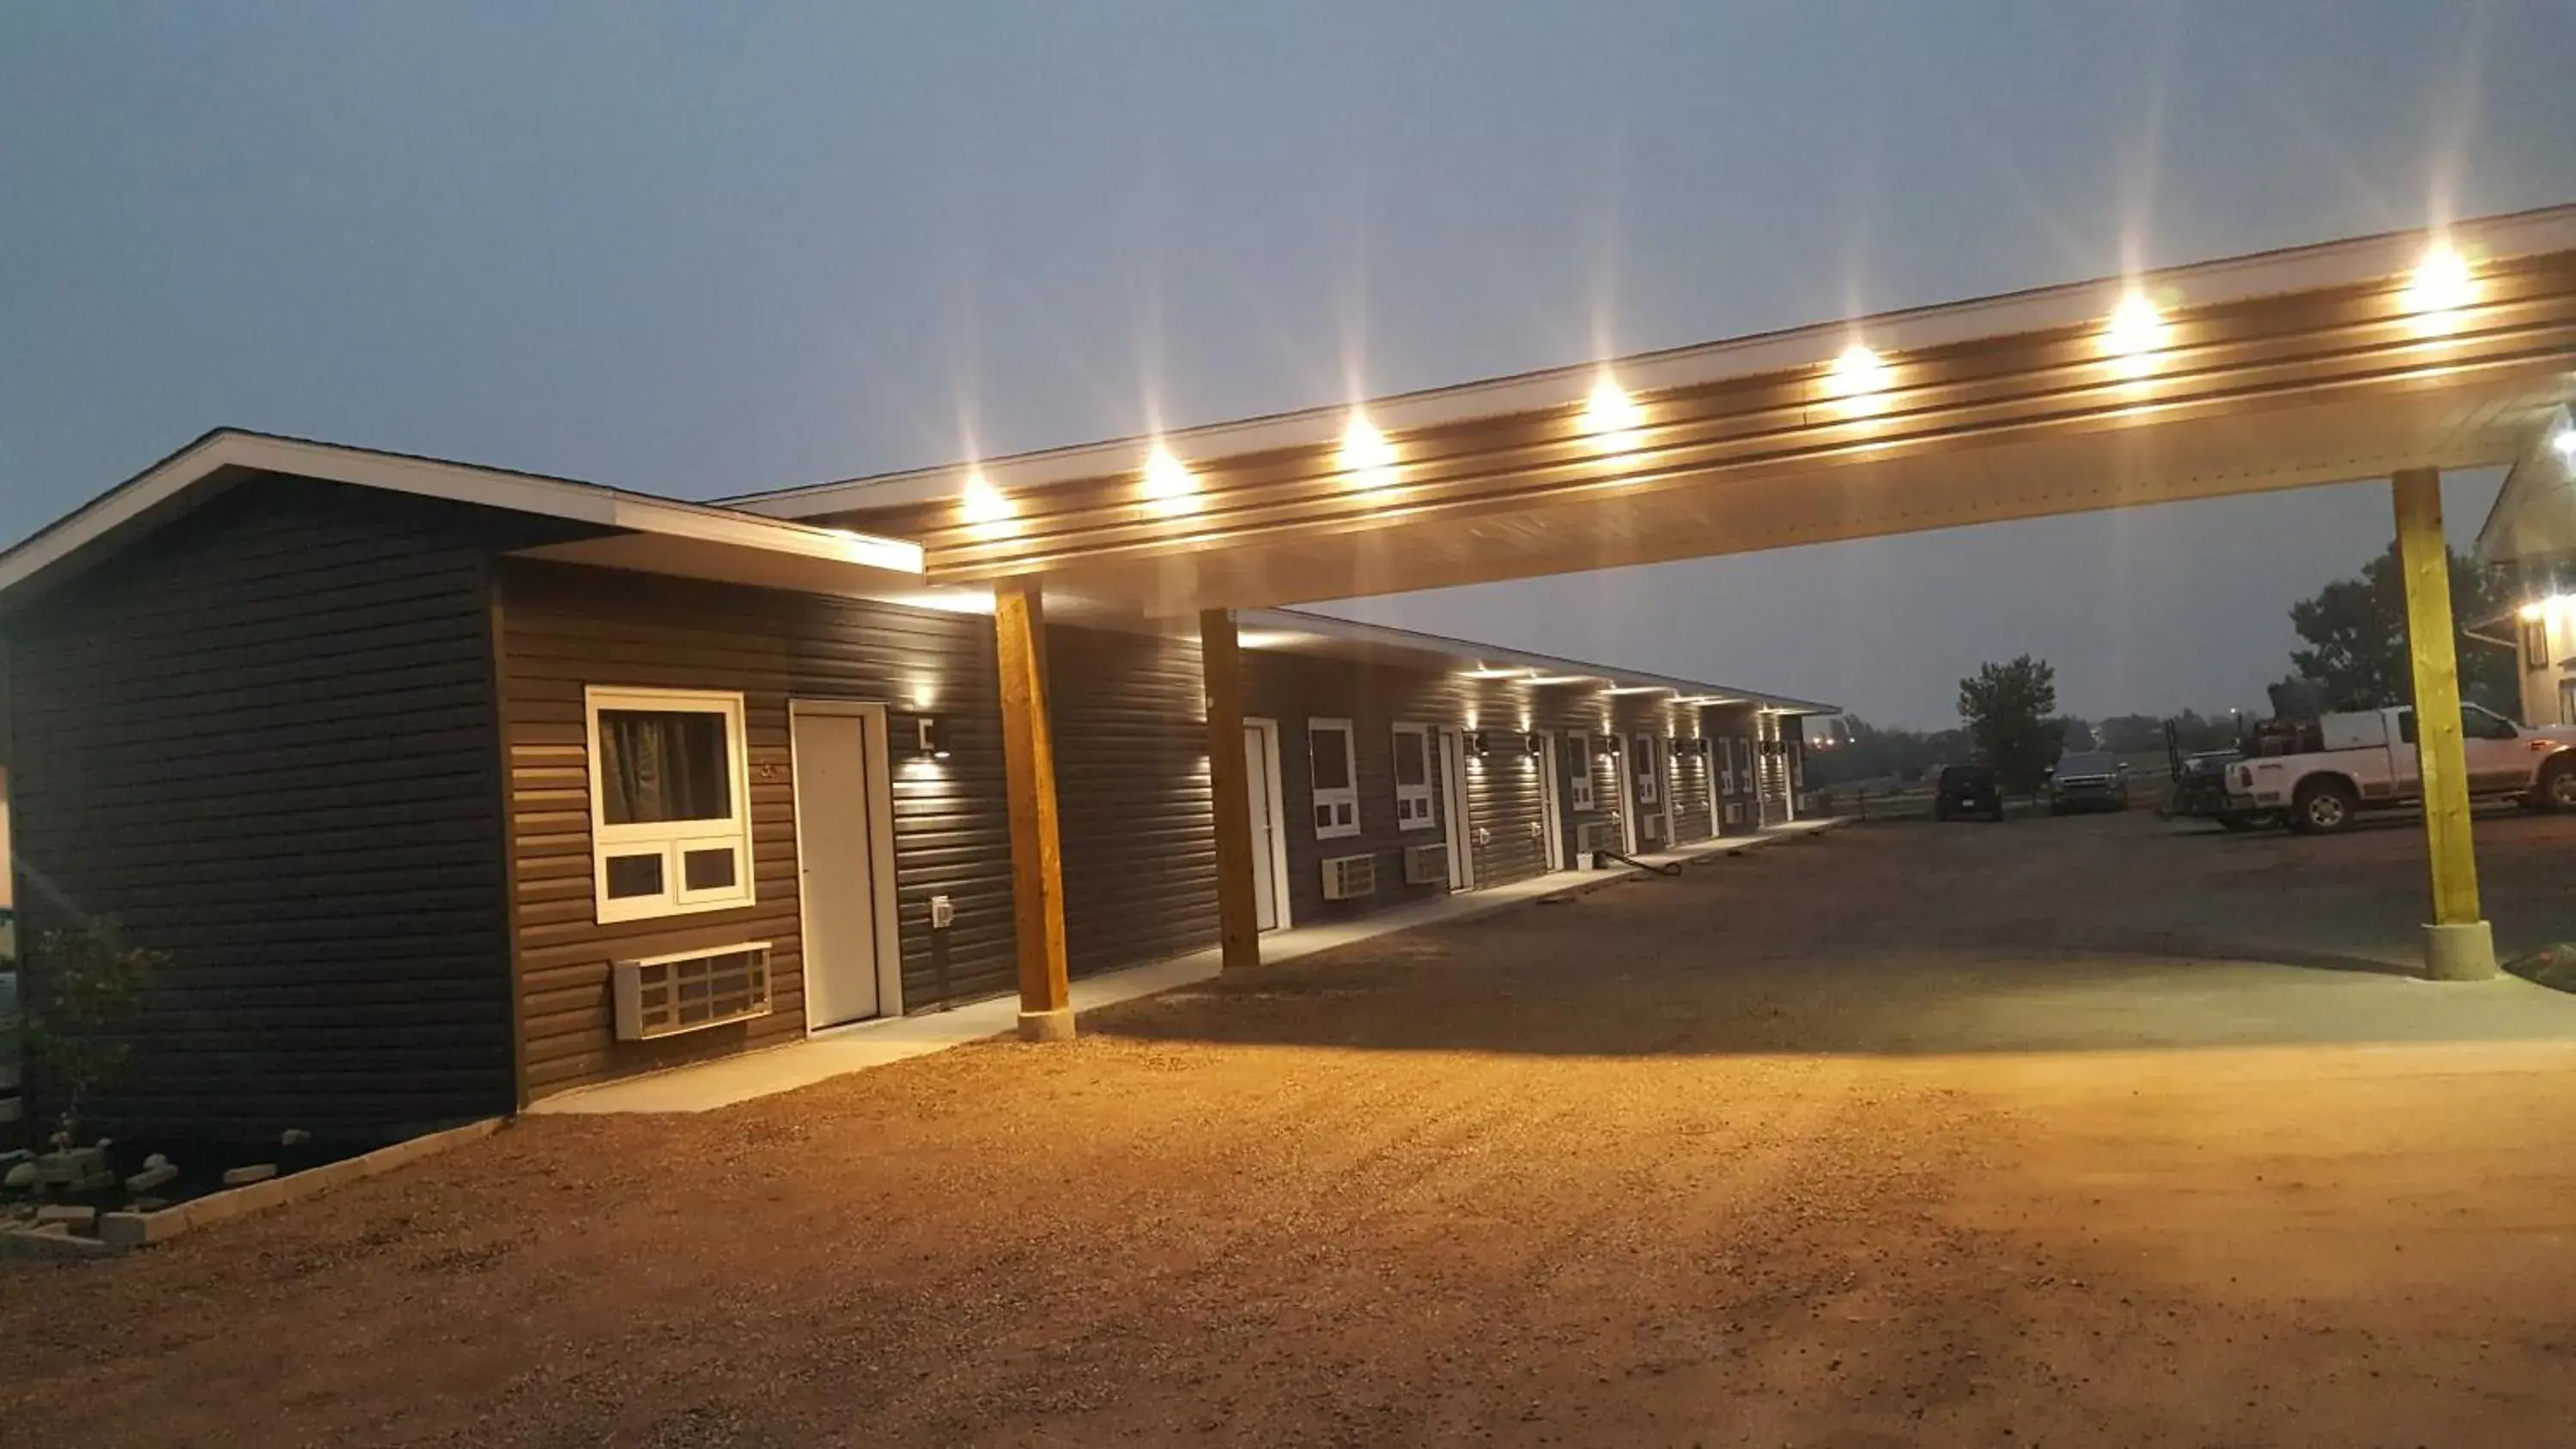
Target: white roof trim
{"type": "Point", "coordinates": [1489, 656]}
{"type": "Point", "coordinates": [2539, 472]}
{"type": "Point", "coordinates": [431, 478]}
{"type": "Point", "coordinates": [2263, 274]}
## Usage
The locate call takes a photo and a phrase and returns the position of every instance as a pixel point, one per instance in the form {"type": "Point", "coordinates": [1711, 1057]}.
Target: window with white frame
{"type": "Point", "coordinates": [670, 815]}
{"type": "Point", "coordinates": [1334, 768]}
{"type": "Point", "coordinates": [1641, 763]}
{"type": "Point", "coordinates": [1581, 795]}
{"type": "Point", "coordinates": [1413, 777]}
{"type": "Point", "coordinates": [1726, 762]}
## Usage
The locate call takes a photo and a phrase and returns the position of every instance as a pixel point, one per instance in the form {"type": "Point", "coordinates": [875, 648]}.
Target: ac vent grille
{"type": "Point", "coordinates": [667, 995]}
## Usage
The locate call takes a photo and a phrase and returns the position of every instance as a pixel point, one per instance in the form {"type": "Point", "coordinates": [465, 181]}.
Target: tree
{"type": "Point", "coordinates": [2356, 633]}
{"type": "Point", "coordinates": [2006, 708]}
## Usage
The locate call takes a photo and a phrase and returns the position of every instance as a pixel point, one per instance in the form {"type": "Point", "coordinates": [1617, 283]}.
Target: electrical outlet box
{"type": "Point", "coordinates": [943, 913]}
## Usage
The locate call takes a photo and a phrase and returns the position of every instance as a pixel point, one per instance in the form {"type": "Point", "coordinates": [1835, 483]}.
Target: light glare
{"type": "Point", "coordinates": [1367, 457]}
{"type": "Point", "coordinates": [1169, 484]}
{"type": "Point", "coordinates": [979, 502]}
{"type": "Point", "coordinates": [1858, 377]}
{"type": "Point", "coordinates": [2135, 333]}
{"type": "Point", "coordinates": [2440, 287]}
{"type": "Point", "coordinates": [2565, 442]}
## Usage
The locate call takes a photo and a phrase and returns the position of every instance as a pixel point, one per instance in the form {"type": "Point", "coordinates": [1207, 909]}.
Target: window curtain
{"type": "Point", "coordinates": [662, 766]}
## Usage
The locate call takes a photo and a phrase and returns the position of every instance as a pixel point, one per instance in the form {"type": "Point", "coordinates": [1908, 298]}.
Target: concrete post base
{"type": "Point", "coordinates": [2460, 953]}
{"type": "Point", "coordinates": [1057, 1025]}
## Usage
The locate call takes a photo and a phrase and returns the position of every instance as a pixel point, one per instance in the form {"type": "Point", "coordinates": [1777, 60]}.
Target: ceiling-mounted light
{"type": "Point", "coordinates": [2439, 287]}
{"type": "Point", "coordinates": [2530, 613]}
{"type": "Point", "coordinates": [1610, 416]}
{"type": "Point", "coordinates": [2564, 440]}
{"type": "Point", "coordinates": [1859, 377]}
{"type": "Point", "coordinates": [1170, 486]}
{"type": "Point", "coordinates": [979, 502]}
{"type": "Point", "coordinates": [1367, 458]}
{"type": "Point", "coordinates": [2135, 332]}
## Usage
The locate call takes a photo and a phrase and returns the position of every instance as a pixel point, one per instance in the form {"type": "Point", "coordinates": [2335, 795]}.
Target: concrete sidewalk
{"type": "Point", "coordinates": [866, 1044]}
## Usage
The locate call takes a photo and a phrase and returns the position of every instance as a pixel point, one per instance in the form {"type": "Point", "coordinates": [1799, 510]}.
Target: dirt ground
{"type": "Point", "coordinates": [2051, 1133]}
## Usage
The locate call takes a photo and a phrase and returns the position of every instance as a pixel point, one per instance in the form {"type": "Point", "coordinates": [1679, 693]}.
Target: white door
{"type": "Point", "coordinates": [1623, 795]}
{"type": "Point", "coordinates": [1261, 770]}
{"type": "Point", "coordinates": [844, 870]}
{"type": "Point", "coordinates": [1453, 811]}
{"type": "Point", "coordinates": [1551, 800]}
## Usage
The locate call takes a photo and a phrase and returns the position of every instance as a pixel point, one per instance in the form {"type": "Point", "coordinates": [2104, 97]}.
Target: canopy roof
{"type": "Point", "coordinates": [2314, 365]}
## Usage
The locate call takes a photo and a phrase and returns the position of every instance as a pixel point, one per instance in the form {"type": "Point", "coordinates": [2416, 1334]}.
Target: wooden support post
{"type": "Point", "coordinates": [2458, 944]}
{"type": "Point", "coordinates": [1028, 761]}
{"type": "Point", "coordinates": [1238, 914]}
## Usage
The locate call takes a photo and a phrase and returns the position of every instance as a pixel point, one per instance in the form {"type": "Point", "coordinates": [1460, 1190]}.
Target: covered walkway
{"type": "Point", "coordinates": [826, 1055]}
{"type": "Point", "coordinates": [2391, 356]}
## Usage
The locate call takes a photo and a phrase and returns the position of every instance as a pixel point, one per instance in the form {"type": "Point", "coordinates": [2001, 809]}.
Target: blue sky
{"type": "Point", "coordinates": [706, 249]}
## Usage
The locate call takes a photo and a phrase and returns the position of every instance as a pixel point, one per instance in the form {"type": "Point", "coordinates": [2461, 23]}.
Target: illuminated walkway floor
{"type": "Point", "coordinates": [868, 1044]}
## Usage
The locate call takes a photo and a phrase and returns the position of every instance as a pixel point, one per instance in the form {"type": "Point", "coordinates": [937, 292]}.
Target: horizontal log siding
{"type": "Point", "coordinates": [1136, 812]}
{"type": "Point", "coordinates": [263, 738]}
{"type": "Point", "coordinates": [565, 628]}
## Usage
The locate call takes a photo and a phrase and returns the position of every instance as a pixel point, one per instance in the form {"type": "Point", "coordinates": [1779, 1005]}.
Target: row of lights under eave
{"type": "Point", "coordinates": [2133, 338]}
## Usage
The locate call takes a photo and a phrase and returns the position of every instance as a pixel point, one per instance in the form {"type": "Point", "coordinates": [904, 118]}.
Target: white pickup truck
{"type": "Point", "coordinates": [2366, 760]}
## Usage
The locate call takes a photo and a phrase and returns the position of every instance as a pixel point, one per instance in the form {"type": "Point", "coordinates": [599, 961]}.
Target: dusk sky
{"type": "Point", "coordinates": [708, 249]}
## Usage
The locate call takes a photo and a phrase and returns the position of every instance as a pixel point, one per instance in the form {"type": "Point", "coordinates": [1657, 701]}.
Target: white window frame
{"type": "Point", "coordinates": [673, 837]}
{"type": "Point", "coordinates": [1580, 798]}
{"type": "Point", "coordinates": [1342, 800]}
{"type": "Point", "coordinates": [1413, 808]}
{"type": "Point", "coordinates": [1650, 776]}
{"type": "Point", "coordinates": [1726, 763]}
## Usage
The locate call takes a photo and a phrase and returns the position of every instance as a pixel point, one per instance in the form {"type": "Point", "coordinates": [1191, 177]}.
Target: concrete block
{"type": "Point", "coordinates": [257, 1172]}
{"type": "Point", "coordinates": [1056, 1025]}
{"type": "Point", "coordinates": [67, 1214]}
{"type": "Point", "coordinates": [150, 1178]}
{"type": "Point", "coordinates": [123, 1231]}
{"type": "Point", "coordinates": [215, 1207]}
{"type": "Point", "coordinates": [2460, 953]}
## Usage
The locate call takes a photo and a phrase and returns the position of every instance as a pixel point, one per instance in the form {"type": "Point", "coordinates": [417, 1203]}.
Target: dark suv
{"type": "Point", "coordinates": [2093, 780]}
{"type": "Point", "coordinates": [1968, 790]}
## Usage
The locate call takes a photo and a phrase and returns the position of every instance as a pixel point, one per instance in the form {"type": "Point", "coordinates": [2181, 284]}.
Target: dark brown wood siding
{"type": "Point", "coordinates": [1137, 816]}
{"type": "Point", "coordinates": [263, 739]}
{"type": "Point", "coordinates": [566, 628]}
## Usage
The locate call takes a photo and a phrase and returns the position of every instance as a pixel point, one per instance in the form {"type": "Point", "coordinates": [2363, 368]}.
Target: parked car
{"type": "Point", "coordinates": [2094, 780]}
{"type": "Point", "coordinates": [1965, 790]}
{"type": "Point", "coordinates": [2321, 773]}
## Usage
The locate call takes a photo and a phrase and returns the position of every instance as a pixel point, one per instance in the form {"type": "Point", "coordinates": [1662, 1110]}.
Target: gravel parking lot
{"type": "Point", "coordinates": [2085, 1131]}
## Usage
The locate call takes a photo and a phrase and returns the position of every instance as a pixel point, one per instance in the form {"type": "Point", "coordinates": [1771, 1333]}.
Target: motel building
{"type": "Point", "coordinates": [449, 790]}
{"type": "Point", "coordinates": [446, 789]}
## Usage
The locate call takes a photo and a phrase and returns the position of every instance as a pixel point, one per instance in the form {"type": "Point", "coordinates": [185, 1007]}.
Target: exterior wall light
{"type": "Point", "coordinates": [1170, 486]}
{"type": "Point", "coordinates": [933, 738]}
{"type": "Point", "coordinates": [1367, 458]}
{"type": "Point", "coordinates": [1478, 743]}
{"type": "Point", "coordinates": [2135, 334]}
{"type": "Point", "coordinates": [1859, 377]}
{"type": "Point", "coordinates": [982, 504]}
{"type": "Point", "coordinates": [1605, 745]}
{"type": "Point", "coordinates": [2439, 287]}
{"type": "Point", "coordinates": [1533, 746]}
{"type": "Point", "coordinates": [1611, 417]}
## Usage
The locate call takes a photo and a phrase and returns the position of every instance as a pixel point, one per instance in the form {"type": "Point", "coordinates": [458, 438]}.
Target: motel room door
{"type": "Point", "coordinates": [1551, 798]}
{"type": "Point", "coordinates": [1453, 811]}
{"type": "Point", "coordinates": [844, 861]}
{"type": "Point", "coordinates": [1269, 847]}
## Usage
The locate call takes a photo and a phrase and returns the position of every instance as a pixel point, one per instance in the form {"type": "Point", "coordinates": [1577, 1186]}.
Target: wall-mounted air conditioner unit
{"type": "Point", "coordinates": [1734, 812]}
{"type": "Point", "coordinates": [1426, 865]}
{"type": "Point", "coordinates": [1349, 877]}
{"type": "Point", "coordinates": [1595, 835]}
{"type": "Point", "coordinates": [667, 995]}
